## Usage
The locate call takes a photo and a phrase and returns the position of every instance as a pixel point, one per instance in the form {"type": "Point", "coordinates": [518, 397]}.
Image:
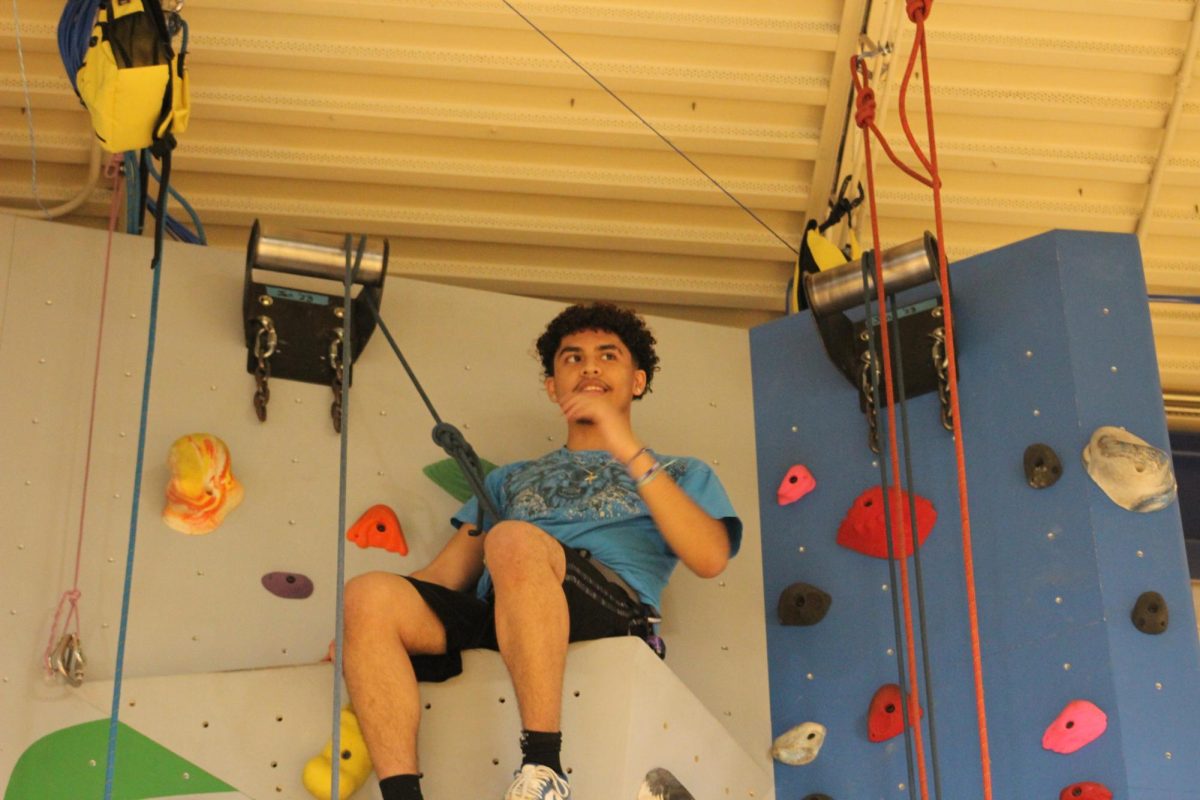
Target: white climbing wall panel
{"type": "Point", "coordinates": [256, 729]}
{"type": "Point", "coordinates": [198, 605]}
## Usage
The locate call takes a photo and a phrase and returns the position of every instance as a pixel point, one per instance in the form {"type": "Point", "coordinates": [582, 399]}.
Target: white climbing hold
{"type": "Point", "coordinates": [1133, 473]}
{"type": "Point", "coordinates": [800, 745]}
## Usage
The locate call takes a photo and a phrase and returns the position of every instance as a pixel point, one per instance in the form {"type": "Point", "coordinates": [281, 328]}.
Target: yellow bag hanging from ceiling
{"type": "Point", "coordinates": [132, 82]}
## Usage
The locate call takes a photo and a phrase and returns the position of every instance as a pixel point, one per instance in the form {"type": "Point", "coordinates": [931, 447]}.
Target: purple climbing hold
{"type": "Point", "coordinates": [289, 585]}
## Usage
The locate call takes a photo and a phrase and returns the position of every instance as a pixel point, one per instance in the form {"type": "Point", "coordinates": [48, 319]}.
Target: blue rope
{"type": "Point", "coordinates": [74, 30]}
{"type": "Point", "coordinates": [1189, 299]}
{"type": "Point", "coordinates": [110, 768]}
{"type": "Point", "coordinates": [347, 367]}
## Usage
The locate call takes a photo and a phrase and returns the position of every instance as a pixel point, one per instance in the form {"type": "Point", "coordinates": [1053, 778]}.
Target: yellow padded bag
{"type": "Point", "coordinates": [131, 82]}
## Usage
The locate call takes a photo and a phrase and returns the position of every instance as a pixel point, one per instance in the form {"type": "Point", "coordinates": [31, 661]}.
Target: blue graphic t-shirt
{"type": "Point", "coordinates": [585, 499]}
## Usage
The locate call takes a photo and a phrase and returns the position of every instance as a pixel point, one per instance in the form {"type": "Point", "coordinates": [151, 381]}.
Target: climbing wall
{"type": "Point", "coordinates": [198, 604]}
{"type": "Point", "coordinates": [1054, 340]}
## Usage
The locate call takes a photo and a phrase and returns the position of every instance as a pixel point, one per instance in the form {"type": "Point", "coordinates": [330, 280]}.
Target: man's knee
{"type": "Point", "coordinates": [511, 547]}
{"type": "Point", "coordinates": [369, 598]}
{"type": "Point", "coordinates": [381, 604]}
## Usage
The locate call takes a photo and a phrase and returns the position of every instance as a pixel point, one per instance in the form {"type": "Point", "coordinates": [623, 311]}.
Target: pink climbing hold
{"type": "Point", "coordinates": [1079, 724]}
{"type": "Point", "coordinates": [795, 484]}
{"type": "Point", "coordinates": [1087, 790]}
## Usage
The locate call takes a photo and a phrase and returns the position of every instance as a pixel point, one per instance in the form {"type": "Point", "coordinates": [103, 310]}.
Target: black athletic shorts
{"type": "Point", "coordinates": [599, 608]}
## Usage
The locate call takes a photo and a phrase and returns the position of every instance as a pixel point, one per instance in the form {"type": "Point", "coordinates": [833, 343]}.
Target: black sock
{"type": "Point", "coordinates": [542, 748]}
{"type": "Point", "coordinates": [401, 787]}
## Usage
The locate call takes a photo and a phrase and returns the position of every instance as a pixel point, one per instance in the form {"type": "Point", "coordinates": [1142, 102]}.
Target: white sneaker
{"type": "Point", "coordinates": [537, 782]}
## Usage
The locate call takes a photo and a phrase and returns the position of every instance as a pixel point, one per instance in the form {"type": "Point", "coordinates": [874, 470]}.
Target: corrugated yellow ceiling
{"type": "Point", "coordinates": [491, 160]}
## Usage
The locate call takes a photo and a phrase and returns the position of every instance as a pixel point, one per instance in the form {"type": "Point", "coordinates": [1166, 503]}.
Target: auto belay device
{"type": "Point", "coordinates": [296, 333]}
{"type": "Point", "coordinates": [917, 330]}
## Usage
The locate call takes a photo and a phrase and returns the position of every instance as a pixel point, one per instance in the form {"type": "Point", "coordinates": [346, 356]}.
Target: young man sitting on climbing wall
{"type": "Point", "coordinates": [591, 533]}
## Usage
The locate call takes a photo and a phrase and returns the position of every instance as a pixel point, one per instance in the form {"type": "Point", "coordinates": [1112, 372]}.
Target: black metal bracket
{"type": "Point", "coordinates": [307, 324]}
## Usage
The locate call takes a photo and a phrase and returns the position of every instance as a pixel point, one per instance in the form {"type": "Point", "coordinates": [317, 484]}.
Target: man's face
{"type": "Point", "coordinates": [595, 363]}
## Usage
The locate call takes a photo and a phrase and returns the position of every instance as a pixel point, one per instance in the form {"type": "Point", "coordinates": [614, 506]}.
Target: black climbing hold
{"type": "Point", "coordinates": [817, 797]}
{"type": "Point", "coordinates": [1042, 466]}
{"type": "Point", "coordinates": [1149, 613]}
{"type": "Point", "coordinates": [803, 604]}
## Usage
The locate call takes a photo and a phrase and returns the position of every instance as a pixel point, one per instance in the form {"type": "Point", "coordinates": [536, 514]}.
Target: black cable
{"type": "Point", "coordinates": [898, 362]}
{"type": "Point", "coordinates": [868, 262]}
{"type": "Point", "coordinates": [445, 435]}
{"type": "Point", "coordinates": [645, 122]}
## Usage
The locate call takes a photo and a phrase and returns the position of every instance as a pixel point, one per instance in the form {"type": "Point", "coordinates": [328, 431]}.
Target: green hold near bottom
{"type": "Point", "coordinates": [446, 474]}
{"type": "Point", "coordinates": [70, 763]}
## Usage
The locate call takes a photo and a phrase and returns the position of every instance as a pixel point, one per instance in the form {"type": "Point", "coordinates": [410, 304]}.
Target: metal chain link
{"type": "Point", "coordinates": [941, 363]}
{"type": "Point", "coordinates": [264, 347]}
{"type": "Point", "coordinates": [866, 384]}
{"type": "Point", "coordinates": [335, 362]}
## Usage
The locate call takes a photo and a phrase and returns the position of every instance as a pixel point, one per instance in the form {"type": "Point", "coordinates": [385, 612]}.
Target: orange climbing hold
{"type": "Point", "coordinates": [379, 527]}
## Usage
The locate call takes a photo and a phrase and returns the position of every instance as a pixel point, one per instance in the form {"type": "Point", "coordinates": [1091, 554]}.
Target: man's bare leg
{"type": "Point", "coordinates": [385, 620]}
{"type": "Point", "coordinates": [532, 622]}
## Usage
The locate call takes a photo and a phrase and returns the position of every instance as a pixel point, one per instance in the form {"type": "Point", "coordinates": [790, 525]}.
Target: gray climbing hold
{"type": "Point", "coordinates": [660, 784]}
{"type": "Point", "coordinates": [803, 604]}
{"type": "Point", "coordinates": [1149, 613]}
{"type": "Point", "coordinates": [1042, 466]}
{"type": "Point", "coordinates": [800, 745]}
{"type": "Point", "coordinates": [288, 585]}
{"type": "Point", "coordinates": [1134, 474]}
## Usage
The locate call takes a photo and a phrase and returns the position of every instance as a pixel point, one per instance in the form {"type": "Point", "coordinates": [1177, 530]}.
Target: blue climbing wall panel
{"type": "Point", "coordinates": [1054, 341]}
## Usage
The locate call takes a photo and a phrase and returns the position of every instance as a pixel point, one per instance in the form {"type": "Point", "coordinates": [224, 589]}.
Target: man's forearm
{"type": "Point", "coordinates": [700, 541]}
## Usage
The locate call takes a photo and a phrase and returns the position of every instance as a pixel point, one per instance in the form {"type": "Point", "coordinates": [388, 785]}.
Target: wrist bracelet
{"type": "Point", "coordinates": [634, 457]}
{"type": "Point", "coordinates": [651, 473]}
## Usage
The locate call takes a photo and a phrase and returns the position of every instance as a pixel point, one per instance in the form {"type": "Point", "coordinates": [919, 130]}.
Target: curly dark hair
{"type": "Point", "coordinates": [624, 323]}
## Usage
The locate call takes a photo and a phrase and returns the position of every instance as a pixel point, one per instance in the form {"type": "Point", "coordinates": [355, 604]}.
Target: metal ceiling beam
{"type": "Point", "coordinates": [833, 126]}
{"type": "Point", "coordinates": [1187, 67]}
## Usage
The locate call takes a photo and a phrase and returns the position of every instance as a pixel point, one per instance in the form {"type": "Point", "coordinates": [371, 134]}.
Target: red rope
{"type": "Point", "coordinates": [959, 452]}
{"type": "Point", "coordinates": [865, 118]}
{"type": "Point", "coordinates": [73, 594]}
{"type": "Point", "coordinates": [918, 12]}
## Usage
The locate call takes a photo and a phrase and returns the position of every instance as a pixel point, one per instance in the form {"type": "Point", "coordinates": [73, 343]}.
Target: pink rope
{"type": "Point", "coordinates": [72, 595]}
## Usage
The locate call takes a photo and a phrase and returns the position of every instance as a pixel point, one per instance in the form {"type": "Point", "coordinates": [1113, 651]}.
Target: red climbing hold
{"type": "Point", "coordinates": [1079, 724]}
{"type": "Point", "coordinates": [795, 484]}
{"type": "Point", "coordinates": [863, 530]}
{"type": "Point", "coordinates": [379, 527]}
{"type": "Point", "coordinates": [885, 718]}
{"type": "Point", "coordinates": [1088, 790]}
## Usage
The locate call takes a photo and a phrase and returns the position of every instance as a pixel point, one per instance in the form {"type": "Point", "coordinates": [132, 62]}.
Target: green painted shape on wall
{"type": "Point", "coordinates": [446, 474]}
{"type": "Point", "coordinates": [69, 765]}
